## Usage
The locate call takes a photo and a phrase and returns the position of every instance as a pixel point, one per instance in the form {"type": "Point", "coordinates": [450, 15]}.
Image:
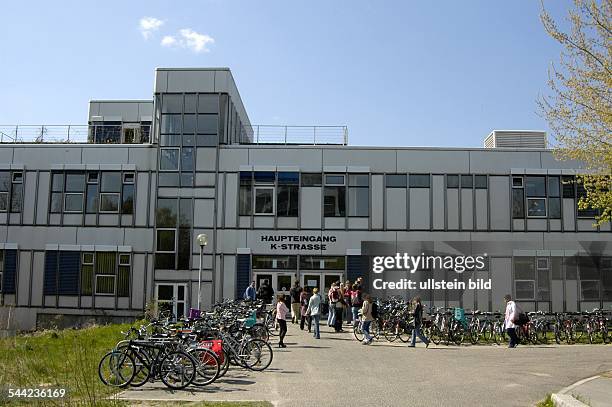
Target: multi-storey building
{"type": "Point", "coordinates": [100, 220]}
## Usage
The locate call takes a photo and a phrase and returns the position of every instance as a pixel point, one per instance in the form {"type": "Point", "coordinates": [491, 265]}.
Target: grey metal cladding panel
{"type": "Point", "coordinates": [220, 199]}
{"type": "Point", "coordinates": [191, 81]}
{"type": "Point", "coordinates": [335, 223]}
{"type": "Point", "coordinates": [481, 209]}
{"type": "Point", "coordinates": [161, 81]}
{"type": "Point", "coordinates": [204, 179]}
{"type": "Point", "coordinates": [438, 201]}
{"type": "Point", "coordinates": [500, 202]}
{"type": "Point", "coordinates": [97, 154]}
{"type": "Point", "coordinates": [500, 162]}
{"type": "Point", "coordinates": [44, 156]}
{"type": "Point", "coordinates": [357, 223]}
{"type": "Point", "coordinates": [419, 208]}
{"type": "Point", "coordinates": [28, 237]}
{"type": "Point", "coordinates": [307, 159]}
{"type": "Point", "coordinates": [467, 209]}
{"type": "Point", "coordinates": [231, 199]}
{"type": "Point", "coordinates": [206, 159]}
{"type": "Point", "coordinates": [263, 222]}
{"type": "Point", "coordinates": [230, 159]}
{"type": "Point", "coordinates": [111, 236]}
{"type": "Point", "coordinates": [223, 83]}
{"type": "Point", "coordinates": [501, 277]}
{"type": "Point", "coordinates": [229, 276]}
{"type": "Point", "coordinates": [536, 225]}
{"type": "Point", "coordinates": [289, 223]}
{"type": "Point", "coordinates": [127, 110]}
{"type": "Point", "coordinates": [203, 213]}
{"type": "Point", "coordinates": [108, 220]}
{"type": "Point", "coordinates": [377, 160]}
{"type": "Point", "coordinates": [6, 154]}
{"type": "Point", "coordinates": [144, 158]}
{"type": "Point", "coordinates": [377, 201]}
{"type": "Point", "coordinates": [586, 225]}
{"type": "Point", "coordinates": [549, 161]}
{"type": "Point", "coordinates": [29, 201]}
{"type": "Point", "coordinates": [438, 161]}
{"type": "Point", "coordinates": [138, 281]}
{"type": "Point", "coordinates": [142, 198]}
{"type": "Point", "coordinates": [452, 208]}
{"type": "Point", "coordinates": [73, 219]}
{"type": "Point", "coordinates": [310, 211]}
{"type": "Point", "coordinates": [395, 208]}
{"type": "Point", "coordinates": [141, 239]}
{"type": "Point", "coordinates": [231, 239]}
{"type": "Point", "coordinates": [153, 195]}
{"type": "Point", "coordinates": [23, 276]}
{"type": "Point", "coordinates": [37, 278]}
{"type": "Point", "coordinates": [568, 214]}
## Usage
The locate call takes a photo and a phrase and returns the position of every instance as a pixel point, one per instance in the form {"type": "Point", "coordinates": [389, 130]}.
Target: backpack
{"type": "Point", "coordinates": [374, 310]}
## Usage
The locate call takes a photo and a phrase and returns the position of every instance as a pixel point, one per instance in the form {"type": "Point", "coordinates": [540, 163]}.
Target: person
{"type": "Point", "coordinates": [295, 292]}
{"type": "Point", "coordinates": [348, 312]}
{"type": "Point", "coordinates": [339, 308]}
{"type": "Point", "coordinates": [418, 322]}
{"type": "Point", "coordinates": [359, 283]}
{"type": "Point", "coordinates": [250, 292]}
{"type": "Point", "coordinates": [265, 292]}
{"type": "Point", "coordinates": [511, 313]}
{"type": "Point", "coordinates": [356, 303]}
{"type": "Point", "coordinates": [304, 299]}
{"type": "Point", "coordinates": [333, 296]}
{"type": "Point", "coordinates": [314, 310]}
{"type": "Point", "coordinates": [281, 314]}
{"type": "Point", "coordinates": [366, 317]}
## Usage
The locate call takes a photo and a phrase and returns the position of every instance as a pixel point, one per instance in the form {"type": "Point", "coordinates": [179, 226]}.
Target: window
{"type": "Point", "coordinates": [128, 178]}
{"type": "Point", "coordinates": [553, 187]}
{"type": "Point", "coordinates": [480, 181]}
{"type": "Point", "coordinates": [535, 186]}
{"type": "Point", "coordinates": [452, 181]}
{"type": "Point", "coordinates": [322, 262]}
{"type": "Point", "coordinates": [169, 160]}
{"type": "Point", "coordinates": [1, 267]}
{"type": "Point", "coordinates": [127, 199]}
{"type": "Point", "coordinates": [287, 198]}
{"type": "Point", "coordinates": [172, 103]}
{"type": "Point", "coordinates": [105, 273]}
{"type": "Point", "coordinates": [589, 278]}
{"type": "Point", "coordinates": [418, 180]}
{"type": "Point", "coordinates": [208, 103]}
{"type": "Point", "coordinates": [92, 178]}
{"type": "Point", "coordinates": [275, 262]}
{"type": "Point", "coordinates": [359, 195]}
{"type": "Point", "coordinates": [571, 268]}
{"type": "Point", "coordinates": [467, 181]}
{"type": "Point", "coordinates": [396, 180]}
{"type": "Point", "coordinates": [166, 214]}
{"type": "Point", "coordinates": [5, 188]}
{"type": "Point", "coordinates": [543, 275]}
{"type": "Point", "coordinates": [334, 196]}
{"type": "Point", "coordinates": [208, 124]}
{"type": "Point", "coordinates": [187, 159]}
{"type": "Point", "coordinates": [554, 208]}
{"type": "Point", "coordinates": [87, 268]}
{"type": "Point", "coordinates": [518, 204]}
{"type": "Point", "coordinates": [73, 203]}
{"type": "Point", "coordinates": [171, 124]}
{"type": "Point", "coordinates": [123, 276]}
{"type": "Point", "coordinates": [567, 185]}
{"type": "Point", "coordinates": [605, 267]}
{"type": "Point", "coordinates": [517, 182]}
{"type": "Point", "coordinates": [17, 192]}
{"type": "Point", "coordinates": [92, 199]}
{"type": "Point", "coordinates": [166, 240]}
{"type": "Point", "coordinates": [246, 193]}
{"type": "Point", "coordinates": [524, 278]}
{"type": "Point", "coordinates": [312, 180]}
{"type": "Point", "coordinates": [536, 207]}
{"type": "Point", "coordinates": [583, 213]}
{"type": "Point", "coordinates": [109, 203]}
{"type": "Point", "coordinates": [264, 200]}
{"type": "Point", "coordinates": [174, 219]}
{"type": "Point", "coordinates": [57, 187]}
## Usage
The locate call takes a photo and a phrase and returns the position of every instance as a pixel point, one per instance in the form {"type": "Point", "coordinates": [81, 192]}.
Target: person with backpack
{"type": "Point", "coordinates": [356, 303]}
{"type": "Point", "coordinates": [333, 296]}
{"type": "Point", "coordinates": [418, 322]}
{"type": "Point", "coordinates": [250, 292]}
{"type": "Point", "coordinates": [314, 310]}
{"type": "Point", "coordinates": [366, 318]}
{"type": "Point", "coordinates": [281, 315]}
{"type": "Point", "coordinates": [304, 299]}
{"type": "Point", "coordinates": [509, 320]}
{"type": "Point", "coordinates": [295, 292]}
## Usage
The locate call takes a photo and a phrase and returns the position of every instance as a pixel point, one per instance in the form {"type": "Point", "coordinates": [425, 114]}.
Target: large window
{"type": "Point", "coordinates": [334, 195]}
{"type": "Point", "coordinates": [322, 262]}
{"type": "Point", "coordinates": [287, 198]}
{"type": "Point", "coordinates": [359, 195]}
{"type": "Point", "coordinates": [105, 273]}
{"type": "Point", "coordinates": [274, 262]}
{"type": "Point", "coordinates": [535, 191]}
{"type": "Point", "coordinates": [174, 221]}
{"type": "Point", "coordinates": [246, 193]}
{"type": "Point", "coordinates": [11, 191]}
{"type": "Point", "coordinates": [582, 193]}
{"type": "Point", "coordinates": [518, 203]}
{"type": "Point", "coordinates": [524, 278]}
{"type": "Point", "coordinates": [589, 278]}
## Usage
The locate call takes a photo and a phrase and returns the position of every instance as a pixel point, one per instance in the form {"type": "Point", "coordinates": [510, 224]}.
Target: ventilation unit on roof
{"type": "Point", "coordinates": [516, 139]}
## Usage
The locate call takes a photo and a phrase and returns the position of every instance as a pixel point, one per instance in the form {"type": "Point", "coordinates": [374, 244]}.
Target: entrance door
{"type": "Point", "coordinates": [172, 299]}
{"type": "Point", "coordinates": [315, 279]}
{"type": "Point", "coordinates": [311, 280]}
{"type": "Point", "coordinates": [281, 282]}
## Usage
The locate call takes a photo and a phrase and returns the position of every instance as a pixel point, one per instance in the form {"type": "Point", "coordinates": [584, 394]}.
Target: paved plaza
{"type": "Point", "coordinates": [338, 371]}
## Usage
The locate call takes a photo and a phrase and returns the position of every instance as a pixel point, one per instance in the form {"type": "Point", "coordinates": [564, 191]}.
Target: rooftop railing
{"type": "Point", "coordinates": [70, 133]}
{"type": "Point", "coordinates": [276, 134]}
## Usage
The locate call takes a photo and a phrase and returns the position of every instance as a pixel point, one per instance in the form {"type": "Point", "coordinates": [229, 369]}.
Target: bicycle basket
{"type": "Point", "coordinates": [252, 320]}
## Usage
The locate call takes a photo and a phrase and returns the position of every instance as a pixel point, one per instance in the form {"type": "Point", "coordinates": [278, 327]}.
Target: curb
{"type": "Point", "coordinates": [564, 399]}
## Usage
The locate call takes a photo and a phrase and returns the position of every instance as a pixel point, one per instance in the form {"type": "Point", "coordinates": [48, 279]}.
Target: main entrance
{"type": "Point", "coordinates": [321, 280]}
{"type": "Point", "coordinates": [281, 281]}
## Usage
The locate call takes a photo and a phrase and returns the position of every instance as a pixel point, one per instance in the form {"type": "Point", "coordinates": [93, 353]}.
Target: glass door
{"type": "Point", "coordinates": [171, 299]}
{"type": "Point", "coordinates": [311, 280]}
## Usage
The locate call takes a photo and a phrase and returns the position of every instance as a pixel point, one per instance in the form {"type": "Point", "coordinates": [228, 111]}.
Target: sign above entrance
{"type": "Point", "coordinates": [292, 243]}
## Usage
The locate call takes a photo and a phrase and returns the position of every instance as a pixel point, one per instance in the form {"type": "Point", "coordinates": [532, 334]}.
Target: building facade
{"type": "Point", "coordinates": [104, 223]}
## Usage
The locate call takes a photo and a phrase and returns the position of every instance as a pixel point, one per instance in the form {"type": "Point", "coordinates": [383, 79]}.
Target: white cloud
{"type": "Point", "coordinates": [190, 39]}
{"type": "Point", "coordinates": [149, 24]}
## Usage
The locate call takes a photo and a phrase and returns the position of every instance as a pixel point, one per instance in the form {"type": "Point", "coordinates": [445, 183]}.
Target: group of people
{"type": "Point", "coordinates": [348, 301]}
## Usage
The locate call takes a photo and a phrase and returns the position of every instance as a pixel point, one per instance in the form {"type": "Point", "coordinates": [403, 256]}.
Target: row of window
{"type": "Point", "coordinates": [264, 262]}
{"type": "Point", "coordinates": [92, 192]}
{"type": "Point", "coordinates": [119, 133]}
{"type": "Point", "coordinates": [533, 276]}
{"type": "Point", "coordinates": [87, 273]}
{"type": "Point", "coordinates": [11, 191]}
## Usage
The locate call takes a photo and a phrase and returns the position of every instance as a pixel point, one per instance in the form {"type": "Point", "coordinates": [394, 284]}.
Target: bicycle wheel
{"type": "Point", "coordinates": [259, 331]}
{"type": "Point", "coordinates": [224, 367]}
{"type": "Point", "coordinates": [435, 335]}
{"type": "Point", "coordinates": [257, 354]}
{"type": "Point", "coordinates": [207, 367]}
{"type": "Point", "coordinates": [358, 333]}
{"type": "Point", "coordinates": [143, 367]}
{"type": "Point", "coordinates": [177, 370]}
{"type": "Point", "coordinates": [457, 333]}
{"type": "Point", "coordinates": [405, 332]}
{"type": "Point", "coordinates": [389, 331]}
{"type": "Point", "coordinates": [116, 369]}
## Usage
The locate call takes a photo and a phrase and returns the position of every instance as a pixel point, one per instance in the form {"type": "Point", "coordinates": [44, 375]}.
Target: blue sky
{"type": "Point", "coordinates": [397, 73]}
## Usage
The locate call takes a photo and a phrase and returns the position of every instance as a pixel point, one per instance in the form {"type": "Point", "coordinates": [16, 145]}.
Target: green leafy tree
{"type": "Point", "coordinates": [579, 108]}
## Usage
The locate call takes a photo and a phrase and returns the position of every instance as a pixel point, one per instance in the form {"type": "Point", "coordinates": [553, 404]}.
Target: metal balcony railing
{"type": "Point", "coordinates": [80, 133]}
{"type": "Point", "coordinates": [277, 134]}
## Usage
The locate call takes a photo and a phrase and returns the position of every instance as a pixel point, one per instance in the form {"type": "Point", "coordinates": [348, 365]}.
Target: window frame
{"type": "Point", "coordinates": [166, 229]}
{"type": "Point", "coordinates": [66, 195]}
{"type": "Point", "coordinates": [100, 194]}
{"type": "Point", "coordinates": [527, 199]}
{"type": "Point", "coordinates": [270, 187]}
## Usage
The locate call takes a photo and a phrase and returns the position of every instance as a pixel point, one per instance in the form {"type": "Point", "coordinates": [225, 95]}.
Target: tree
{"type": "Point", "coordinates": [579, 109]}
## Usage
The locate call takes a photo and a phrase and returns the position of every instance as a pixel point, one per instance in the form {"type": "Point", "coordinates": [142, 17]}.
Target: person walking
{"type": "Point", "coordinates": [281, 315]}
{"type": "Point", "coordinates": [295, 292]}
{"type": "Point", "coordinates": [366, 318]}
{"type": "Point", "coordinates": [265, 292]}
{"type": "Point", "coordinates": [314, 310]}
{"type": "Point", "coordinates": [418, 322]}
{"type": "Point", "coordinates": [304, 299]}
{"type": "Point", "coordinates": [356, 303]}
{"type": "Point", "coordinates": [333, 296]}
{"type": "Point", "coordinates": [250, 292]}
{"type": "Point", "coordinates": [510, 316]}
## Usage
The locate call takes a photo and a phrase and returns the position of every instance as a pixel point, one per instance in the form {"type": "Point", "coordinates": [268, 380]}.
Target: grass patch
{"type": "Point", "coordinates": [60, 359]}
{"type": "Point", "coordinates": [204, 404]}
{"type": "Point", "coordinates": [547, 402]}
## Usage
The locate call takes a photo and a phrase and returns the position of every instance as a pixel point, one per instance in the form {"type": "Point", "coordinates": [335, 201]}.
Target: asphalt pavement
{"type": "Point", "coordinates": [338, 371]}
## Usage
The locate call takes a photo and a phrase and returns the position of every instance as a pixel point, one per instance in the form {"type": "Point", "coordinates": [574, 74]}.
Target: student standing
{"type": "Point", "coordinates": [295, 292]}
{"type": "Point", "coordinates": [366, 317]}
{"type": "Point", "coordinates": [314, 310]}
{"type": "Point", "coordinates": [333, 296]}
{"type": "Point", "coordinates": [356, 303]}
{"type": "Point", "coordinates": [250, 292]}
{"type": "Point", "coordinates": [509, 320]}
{"type": "Point", "coordinates": [418, 322]}
{"type": "Point", "coordinates": [281, 314]}
{"type": "Point", "coordinates": [304, 300]}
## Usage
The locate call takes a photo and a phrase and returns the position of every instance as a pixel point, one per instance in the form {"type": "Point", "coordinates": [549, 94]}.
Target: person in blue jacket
{"type": "Point", "coordinates": [250, 292]}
